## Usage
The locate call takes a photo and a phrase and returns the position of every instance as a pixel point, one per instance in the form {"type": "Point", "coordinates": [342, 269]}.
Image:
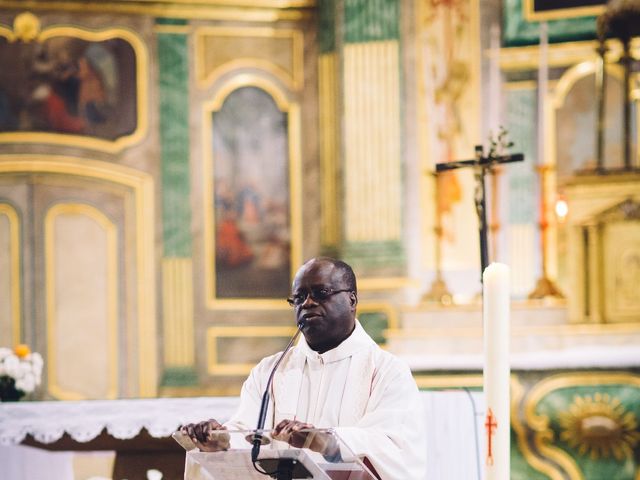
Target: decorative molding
{"type": "Point", "coordinates": [565, 54]}
{"type": "Point", "coordinates": [448, 381]}
{"type": "Point", "coordinates": [328, 94]}
{"type": "Point", "coordinates": [111, 293]}
{"type": "Point", "coordinates": [292, 76]}
{"type": "Point", "coordinates": [372, 157]}
{"type": "Point", "coordinates": [177, 308]}
{"type": "Point", "coordinates": [143, 203]}
{"type": "Point", "coordinates": [242, 10]}
{"type": "Point", "coordinates": [540, 423]}
{"type": "Point", "coordinates": [15, 253]}
{"type": "Point", "coordinates": [519, 428]}
{"type": "Point", "coordinates": [31, 30]}
{"type": "Point", "coordinates": [215, 367]}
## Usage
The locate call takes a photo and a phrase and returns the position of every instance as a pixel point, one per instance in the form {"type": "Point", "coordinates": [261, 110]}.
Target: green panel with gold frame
{"type": "Point", "coordinates": [520, 28]}
{"type": "Point", "coordinates": [585, 424]}
{"type": "Point", "coordinates": [71, 86]}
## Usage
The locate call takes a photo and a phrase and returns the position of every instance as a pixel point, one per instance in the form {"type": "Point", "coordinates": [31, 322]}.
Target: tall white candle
{"type": "Point", "coordinates": [495, 84]}
{"type": "Point", "coordinates": [496, 302]}
{"type": "Point", "coordinates": [543, 80]}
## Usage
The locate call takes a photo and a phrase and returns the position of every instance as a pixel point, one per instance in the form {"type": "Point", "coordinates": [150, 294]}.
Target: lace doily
{"type": "Point", "coordinates": [123, 419]}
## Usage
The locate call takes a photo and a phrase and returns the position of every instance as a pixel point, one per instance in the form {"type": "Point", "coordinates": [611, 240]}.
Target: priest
{"type": "Point", "coordinates": [335, 377]}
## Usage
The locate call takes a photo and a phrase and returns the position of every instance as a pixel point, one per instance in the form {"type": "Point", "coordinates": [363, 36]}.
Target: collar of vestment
{"type": "Point", "coordinates": [358, 340]}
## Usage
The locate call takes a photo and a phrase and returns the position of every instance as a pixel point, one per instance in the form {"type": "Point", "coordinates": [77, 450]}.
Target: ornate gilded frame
{"type": "Point", "coordinates": [292, 110]}
{"type": "Point", "coordinates": [26, 28]}
{"type": "Point", "coordinates": [542, 434]}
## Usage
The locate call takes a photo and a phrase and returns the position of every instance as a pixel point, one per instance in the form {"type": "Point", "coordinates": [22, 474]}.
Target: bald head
{"type": "Point", "coordinates": [343, 271]}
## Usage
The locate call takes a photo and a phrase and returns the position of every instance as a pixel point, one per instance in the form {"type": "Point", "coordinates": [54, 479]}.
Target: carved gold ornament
{"type": "Point", "coordinates": [26, 27]}
{"type": "Point", "coordinates": [599, 426]}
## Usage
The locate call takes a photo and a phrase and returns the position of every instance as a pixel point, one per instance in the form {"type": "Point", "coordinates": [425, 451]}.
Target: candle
{"type": "Point", "coordinates": [543, 79]}
{"type": "Point", "coordinates": [495, 301]}
{"type": "Point", "coordinates": [495, 87]}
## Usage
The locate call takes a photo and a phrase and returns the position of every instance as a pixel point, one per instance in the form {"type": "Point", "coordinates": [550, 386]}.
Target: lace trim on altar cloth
{"type": "Point", "coordinates": [47, 422]}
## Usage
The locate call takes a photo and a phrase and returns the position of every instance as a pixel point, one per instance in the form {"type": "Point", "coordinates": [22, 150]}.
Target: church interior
{"type": "Point", "coordinates": [149, 237]}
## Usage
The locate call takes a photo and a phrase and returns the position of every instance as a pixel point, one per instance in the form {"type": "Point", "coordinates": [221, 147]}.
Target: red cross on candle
{"type": "Point", "coordinates": [490, 424]}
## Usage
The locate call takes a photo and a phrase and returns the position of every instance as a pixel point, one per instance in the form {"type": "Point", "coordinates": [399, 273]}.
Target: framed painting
{"type": "Point", "coordinates": [252, 224]}
{"type": "Point", "coordinates": [71, 86]}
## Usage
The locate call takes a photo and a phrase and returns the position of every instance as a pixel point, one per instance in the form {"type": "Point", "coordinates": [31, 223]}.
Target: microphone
{"type": "Point", "coordinates": [257, 438]}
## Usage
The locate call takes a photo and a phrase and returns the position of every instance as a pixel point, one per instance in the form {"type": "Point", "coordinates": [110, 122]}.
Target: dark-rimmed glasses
{"type": "Point", "coordinates": [318, 294]}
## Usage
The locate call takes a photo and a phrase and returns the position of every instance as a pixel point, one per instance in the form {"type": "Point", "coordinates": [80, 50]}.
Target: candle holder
{"type": "Point", "coordinates": [438, 291]}
{"type": "Point", "coordinates": [545, 287]}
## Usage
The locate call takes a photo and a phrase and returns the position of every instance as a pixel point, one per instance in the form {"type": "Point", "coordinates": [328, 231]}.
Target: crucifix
{"type": "Point", "coordinates": [482, 165]}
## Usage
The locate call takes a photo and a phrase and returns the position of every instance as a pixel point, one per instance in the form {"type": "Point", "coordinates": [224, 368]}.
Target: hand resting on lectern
{"type": "Point", "coordinates": [206, 435]}
{"type": "Point", "coordinates": [298, 434]}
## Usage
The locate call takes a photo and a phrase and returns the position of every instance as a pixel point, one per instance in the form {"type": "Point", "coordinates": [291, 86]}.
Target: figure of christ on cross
{"type": "Point", "coordinates": [481, 164]}
{"type": "Point", "coordinates": [490, 424]}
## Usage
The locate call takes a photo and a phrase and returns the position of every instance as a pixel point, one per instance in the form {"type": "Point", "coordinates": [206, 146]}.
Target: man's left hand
{"type": "Point", "coordinates": [291, 431]}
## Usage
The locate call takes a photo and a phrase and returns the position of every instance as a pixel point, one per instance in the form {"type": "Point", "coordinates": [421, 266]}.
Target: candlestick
{"type": "Point", "coordinates": [496, 373]}
{"type": "Point", "coordinates": [438, 292]}
{"type": "Point", "coordinates": [545, 287]}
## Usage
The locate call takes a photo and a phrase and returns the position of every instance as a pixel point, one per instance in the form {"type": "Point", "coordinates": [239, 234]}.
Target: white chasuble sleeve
{"type": "Point", "coordinates": [391, 434]}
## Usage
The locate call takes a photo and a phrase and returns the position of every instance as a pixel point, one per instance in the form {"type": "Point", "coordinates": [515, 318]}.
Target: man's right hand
{"type": "Point", "coordinates": [207, 436]}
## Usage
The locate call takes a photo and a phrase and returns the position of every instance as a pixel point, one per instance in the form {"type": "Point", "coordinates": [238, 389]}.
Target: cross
{"type": "Point", "coordinates": [490, 425]}
{"type": "Point", "coordinates": [481, 165]}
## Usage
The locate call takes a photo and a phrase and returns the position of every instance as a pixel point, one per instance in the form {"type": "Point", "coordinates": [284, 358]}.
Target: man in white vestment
{"type": "Point", "coordinates": [335, 377]}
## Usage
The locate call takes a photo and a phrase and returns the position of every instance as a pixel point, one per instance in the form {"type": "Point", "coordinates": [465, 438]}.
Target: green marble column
{"type": "Point", "coordinates": [177, 284]}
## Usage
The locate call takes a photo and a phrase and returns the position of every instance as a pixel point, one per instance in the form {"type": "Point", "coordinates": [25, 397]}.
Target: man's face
{"type": "Point", "coordinates": [330, 321]}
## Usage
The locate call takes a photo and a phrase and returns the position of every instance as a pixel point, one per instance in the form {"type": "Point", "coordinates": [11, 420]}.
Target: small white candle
{"type": "Point", "coordinates": [496, 302]}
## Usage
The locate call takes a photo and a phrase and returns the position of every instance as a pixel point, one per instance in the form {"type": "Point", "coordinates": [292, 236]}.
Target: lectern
{"type": "Point", "coordinates": [322, 455]}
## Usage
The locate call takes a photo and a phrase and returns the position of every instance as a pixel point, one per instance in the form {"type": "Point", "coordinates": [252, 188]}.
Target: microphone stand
{"type": "Point", "coordinates": [257, 437]}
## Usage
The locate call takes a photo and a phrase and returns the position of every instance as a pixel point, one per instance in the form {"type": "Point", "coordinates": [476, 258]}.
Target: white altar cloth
{"type": "Point", "coordinates": [454, 443]}
{"type": "Point", "coordinates": [123, 419]}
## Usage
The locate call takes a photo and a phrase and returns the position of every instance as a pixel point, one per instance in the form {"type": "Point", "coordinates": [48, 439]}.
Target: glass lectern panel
{"type": "Point", "coordinates": [308, 454]}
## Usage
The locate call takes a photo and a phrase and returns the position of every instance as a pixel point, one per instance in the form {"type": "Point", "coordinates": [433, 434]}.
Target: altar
{"type": "Point", "coordinates": [43, 439]}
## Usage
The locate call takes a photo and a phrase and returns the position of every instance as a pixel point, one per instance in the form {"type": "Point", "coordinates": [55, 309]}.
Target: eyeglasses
{"type": "Point", "coordinates": [318, 294]}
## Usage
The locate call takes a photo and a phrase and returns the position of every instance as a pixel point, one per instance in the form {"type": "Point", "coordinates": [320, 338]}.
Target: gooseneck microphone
{"type": "Point", "coordinates": [257, 439]}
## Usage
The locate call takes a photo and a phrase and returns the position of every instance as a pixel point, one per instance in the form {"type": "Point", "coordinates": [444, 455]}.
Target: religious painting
{"type": "Point", "coordinates": [67, 85]}
{"type": "Point", "coordinates": [251, 197]}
